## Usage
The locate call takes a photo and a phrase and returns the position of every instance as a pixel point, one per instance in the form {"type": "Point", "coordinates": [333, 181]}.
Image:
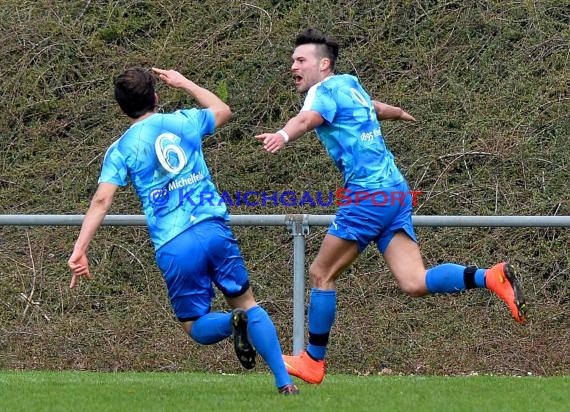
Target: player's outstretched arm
{"type": "Point", "coordinates": [204, 97]}
{"type": "Point", "coordinates": [387, 112]}
{"type": "Point", "coordinates": [296, 127]}
{"type": "Point", "coordinates": [100, 205]}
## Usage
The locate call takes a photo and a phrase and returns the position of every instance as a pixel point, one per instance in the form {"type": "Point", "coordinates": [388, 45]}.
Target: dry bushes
{"type": "Point", "coordinates": [487, 81]}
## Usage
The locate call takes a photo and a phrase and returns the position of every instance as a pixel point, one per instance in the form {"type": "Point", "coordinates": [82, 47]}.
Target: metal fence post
{"type": "Point", "coordinates": [299, 228]}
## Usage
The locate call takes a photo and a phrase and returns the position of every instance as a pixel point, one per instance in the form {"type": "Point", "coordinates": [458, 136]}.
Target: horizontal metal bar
{"type": "Point", "coordinates": [492, 221]}
{"type": "Point", "coordinates": [312, 220]}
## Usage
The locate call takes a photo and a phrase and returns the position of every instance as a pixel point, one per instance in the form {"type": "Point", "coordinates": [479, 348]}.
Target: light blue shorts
{"type": "Point", "coordinates": [373, 215]}
{"type": "Point", "coordinates": [193, 262]}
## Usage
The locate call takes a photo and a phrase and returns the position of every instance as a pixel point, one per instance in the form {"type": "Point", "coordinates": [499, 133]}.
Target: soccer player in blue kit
{"type": "Point", "coordinates": [346, 121]}
{"type": "Point", "coordinates": [161, 154]}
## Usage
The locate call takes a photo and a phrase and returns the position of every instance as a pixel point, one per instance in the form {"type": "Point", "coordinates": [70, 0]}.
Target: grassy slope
{"type": "Point", "coordinates": [487, 82]}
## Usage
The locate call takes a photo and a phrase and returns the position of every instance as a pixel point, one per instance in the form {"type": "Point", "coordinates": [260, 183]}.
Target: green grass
{"type": "Point", "coordinates": [92, 391]}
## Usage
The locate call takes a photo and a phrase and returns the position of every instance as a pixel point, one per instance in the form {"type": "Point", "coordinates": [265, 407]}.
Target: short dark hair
{"type": "Point", "coordinates": [328, 47]}
{"type": "Point", "coordinates": [134, 92]}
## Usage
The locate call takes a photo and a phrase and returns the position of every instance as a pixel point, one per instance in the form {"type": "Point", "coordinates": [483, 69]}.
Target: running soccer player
{"type": "Point", "coordinates": [161, 154]}
{"type": "Point", "coordinates": [346, 121]}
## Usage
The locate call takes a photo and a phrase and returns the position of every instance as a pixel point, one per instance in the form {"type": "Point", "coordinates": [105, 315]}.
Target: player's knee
{"type": "Point", "coordinates": [314, 275]}
{"type": "Point", "coordinates": [414, 287]}
{"type": "Point", "coordinates": [318, 277]}
{"type": "Point", "coordinates": [187, 326]}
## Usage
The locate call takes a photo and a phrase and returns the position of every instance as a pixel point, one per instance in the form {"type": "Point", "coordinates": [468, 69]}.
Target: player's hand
{"type": "Point", "coordinates": [407, 117]}
{"type": "Point", "coordinates": [79, 266]}
{"type": "Point", "coordinates": [272, 142]}
{"type": "Point", "coordinates": [171, 77]}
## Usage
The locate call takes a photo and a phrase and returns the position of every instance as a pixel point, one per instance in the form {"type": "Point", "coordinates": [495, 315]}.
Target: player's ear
{"type": "Point", "coordinates": [325, 64]}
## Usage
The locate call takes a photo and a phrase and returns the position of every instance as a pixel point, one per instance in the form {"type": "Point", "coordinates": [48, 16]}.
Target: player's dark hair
{"type": "Point", "coordinates": [134, 92]}
{"type": "Point", "coordinates": [327, 46]}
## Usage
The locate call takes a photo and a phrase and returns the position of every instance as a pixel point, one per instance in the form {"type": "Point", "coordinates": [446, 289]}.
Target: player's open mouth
{"type": "Point", "coordinates": [298, 79]}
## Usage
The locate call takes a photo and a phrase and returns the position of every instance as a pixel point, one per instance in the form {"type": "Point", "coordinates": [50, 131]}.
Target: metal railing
{"type": "Point", "coordinates": [298, 225]}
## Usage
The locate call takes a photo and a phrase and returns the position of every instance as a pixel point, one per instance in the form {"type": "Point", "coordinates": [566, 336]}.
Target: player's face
{"type": "Point", "coordinates": [306, 67]}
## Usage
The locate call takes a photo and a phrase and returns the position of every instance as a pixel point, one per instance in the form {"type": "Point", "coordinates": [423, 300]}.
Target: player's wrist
{"type": "Point", "coordinates": [283, 134]}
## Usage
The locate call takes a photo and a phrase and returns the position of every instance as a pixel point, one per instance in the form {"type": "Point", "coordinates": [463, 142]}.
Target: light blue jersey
{"type": "Point", "coordinates": [351, 132]}
{"type": "Point", "coordinates": [162, 156]}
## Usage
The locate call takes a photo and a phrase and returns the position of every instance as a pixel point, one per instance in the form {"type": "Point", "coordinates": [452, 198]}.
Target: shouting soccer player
{"type": "Point", "coordinates": [346, 121]}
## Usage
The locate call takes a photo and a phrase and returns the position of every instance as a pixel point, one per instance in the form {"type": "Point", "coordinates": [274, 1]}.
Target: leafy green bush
{"type": "Point", "coordinates": [487, 81]}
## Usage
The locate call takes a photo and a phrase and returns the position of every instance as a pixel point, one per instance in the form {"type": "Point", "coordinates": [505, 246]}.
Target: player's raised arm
{"type": "Point", "coordinates": [204, 97]}
{"type": "Point", "coordinates": [387, 112]}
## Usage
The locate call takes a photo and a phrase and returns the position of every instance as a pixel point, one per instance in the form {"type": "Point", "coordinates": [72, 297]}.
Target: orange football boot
{"type": "Point", "coordinates": [304, 367]}
{"type": "Point", "coordinates": [502, 280]}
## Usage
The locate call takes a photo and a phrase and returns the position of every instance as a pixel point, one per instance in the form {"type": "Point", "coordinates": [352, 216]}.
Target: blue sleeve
{"type": "Point", "coordinates": [114, 169]}
{"type": "Point", "coordinates": [322, 100]}
{"type": "Point", "coordinates": [201, 121]}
